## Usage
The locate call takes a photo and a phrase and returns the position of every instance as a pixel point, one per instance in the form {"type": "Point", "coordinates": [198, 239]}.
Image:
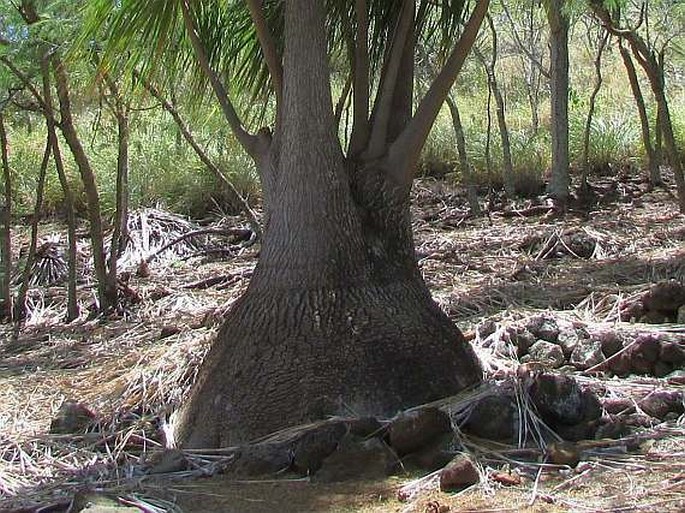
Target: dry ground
{"type": "Point", "coordinates": [133, 369]}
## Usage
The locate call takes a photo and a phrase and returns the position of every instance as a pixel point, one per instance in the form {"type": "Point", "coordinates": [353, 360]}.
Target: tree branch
{"type": "Point", "coordinates": [383, 106]}
{"type": "Point", "coordinates": [360, 70]}
{"type": "Point", "coordinates": [248, 141]}
{"type": "Point", "coordinates": [523, 47]}
{"type": "Point", "coordinates": [266, 41]}
{"type": "Point", "coordinates": [405, 151]}
{"type": "Point", "coordinates": [26, 80]}
{"type": "Point", "coordinates": [190, 139]}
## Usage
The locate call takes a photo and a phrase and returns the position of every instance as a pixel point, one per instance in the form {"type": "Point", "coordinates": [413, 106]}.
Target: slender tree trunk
{"type": "Point", "coordinates": [467, 175]}
{"type": "Point", "coordinates": [507, 164]}
{"type": "Point", "coordinates": [106, 295]}
{"type": "Point", "coordinates": [72, 303]}
{"type": "Point", "coordinates": [336, 317]}
{"type": "Point", "coordinates": [120, 232]}
{"type": "Point", "coordinates": [558, 23]}
{"type": "Point", "coordinates": [27, 273]}
{"type": "Point", "coordinates": [652, 162]}
{"type": "Point", "coordinates": [5, 228]}
{"type": "Point", "coordinates": [591, 111]}
{"type": "Point", "coordinates": [654, 71]}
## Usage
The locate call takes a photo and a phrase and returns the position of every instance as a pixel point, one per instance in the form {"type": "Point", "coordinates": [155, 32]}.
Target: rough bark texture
{"type": "Point", "coordinates": [559, 64]}
{"type": "Point", "coordinates": [336, 318]}
{"type": "Point", "coordinates": [6, 228]}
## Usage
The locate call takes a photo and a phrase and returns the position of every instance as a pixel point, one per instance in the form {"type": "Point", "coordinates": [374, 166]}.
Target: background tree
{"type": "Point", "coordinates": [557, 17]}
{"type": "Point", "coordinates": [649, 61]}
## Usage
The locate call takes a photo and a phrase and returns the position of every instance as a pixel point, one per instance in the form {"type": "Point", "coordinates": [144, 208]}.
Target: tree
{"type": "Point", "coordinates": [494, 90]}
{"type": "Point", "coordinates": [559, 64]}
{"type": "Point", "coordinates": [6, 228]}
{"type": "Point", "coordinates": [650, 63]}
{"type": "Point", "coordinates": [337, 317]}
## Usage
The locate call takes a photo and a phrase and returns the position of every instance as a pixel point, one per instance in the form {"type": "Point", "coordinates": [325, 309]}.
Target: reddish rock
{"type": "Point", "coordinates": [660, 403]}
{"type": "Point", "coordinates": [460, 473]}
{"type": "Point", "coordinates": [665, 297]}
{"type": "Point", "coordinates": [619, 405]}
{"type": "Point", "coordinates": [611, 342]}
{"type": "Point", "coordinates": [73, 417]}
{"type": "Point", "coordinates": [672, 352]}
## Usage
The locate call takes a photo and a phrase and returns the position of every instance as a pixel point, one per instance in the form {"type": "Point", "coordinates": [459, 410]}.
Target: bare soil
{"type": "Point", "coordinates": [133, 368]}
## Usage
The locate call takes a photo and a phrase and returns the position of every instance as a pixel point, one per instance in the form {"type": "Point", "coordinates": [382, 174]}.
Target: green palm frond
{"type": "Point", "coordinates": [149, 35]}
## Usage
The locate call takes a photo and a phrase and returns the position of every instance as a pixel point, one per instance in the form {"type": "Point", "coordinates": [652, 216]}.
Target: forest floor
{"type": "Point", "coordinates": [133, 368]}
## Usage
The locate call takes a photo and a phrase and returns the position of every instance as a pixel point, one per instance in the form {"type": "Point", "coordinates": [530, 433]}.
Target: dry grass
{"type": "Point", "coordinates": [503, 270]}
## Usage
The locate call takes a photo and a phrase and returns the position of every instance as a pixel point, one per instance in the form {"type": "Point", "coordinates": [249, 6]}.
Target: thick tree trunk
{"type": "Point", "coordinates": [336, 318]}
{"type": "Point", "coordinates": [5, 228]}
{"type": "Point", "coordinates": [559, 65]}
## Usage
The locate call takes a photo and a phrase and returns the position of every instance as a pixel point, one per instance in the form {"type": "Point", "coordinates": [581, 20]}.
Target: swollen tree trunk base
{"type": "Point", "coordinates": [292, 356]}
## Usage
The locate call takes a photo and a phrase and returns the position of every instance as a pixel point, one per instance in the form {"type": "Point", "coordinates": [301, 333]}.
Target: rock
{"type": "Point", "coordinates": [672, 352]}
{"type": "Point", "coordinates": [660, 403]}
{"type": "Point", "coordinates": [665, 297]}
{"type": "Point", "coordinates": [73, 417]}
{"type": "Point", "coordinates": [494, 417]}
{"type": "Point", "coordinates": [357, 459]}
{"type": "Point", "coordinates": [365, 427]}
{"type": "Point", "coordinates": [568, 340]}
{"type": "Point", "coordinates": [558, 399]}
{"type": "Point", "coordinates": [632, 311]}
{"type": "Point", "coordinates": [620, 365]}
{"type": "Point", "coordinates": [315, 445]}
{"type": "Point", "coordinates": [169, 460]}
{"type": "Point", "coordinates": [662, 369]}
{"type": "Point", "coordinates": [521, 338]}
{"type": "Point", "coordinates": [587, 355]}
{"type": "Point", "coordinates": [411, 431]}
{"type": "Point", "coordinates": [644, 353]}
{"type": "Point", "coordinates": [610, 341]}
{"type": "Point", "coordinates": [459, 474]}
{"type": "Point", "coordinates": [680, 318]}
{"type": "Point", "coordinates": [505, 478]}
{"type": "Point", "coordinates": [485, 329]}
{"type": "Point", "coordinates": [262, 459]}
{"type": "Point", "coordinates": [563, 453]}
{"type": "Point", "coordinates": [547, 353]}
{"type": "Point", "coordinates": [544, 328]}
{"type": "Point", "coordinates": [435, 456]}
{"type": "Point", "coordinates": [618, 405]}
{"type": "Point", "coordinates": [168, 331]}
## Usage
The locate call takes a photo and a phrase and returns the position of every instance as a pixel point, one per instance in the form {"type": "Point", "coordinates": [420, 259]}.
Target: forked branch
{"type": "Point", "coordinates": [404, 152]}
{"type": "Point", "coordinates": [383, 107]}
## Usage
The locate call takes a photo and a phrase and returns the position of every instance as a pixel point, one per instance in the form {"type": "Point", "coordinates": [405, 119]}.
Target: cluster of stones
{"type": "Point", "coordinates": [569, 347]}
